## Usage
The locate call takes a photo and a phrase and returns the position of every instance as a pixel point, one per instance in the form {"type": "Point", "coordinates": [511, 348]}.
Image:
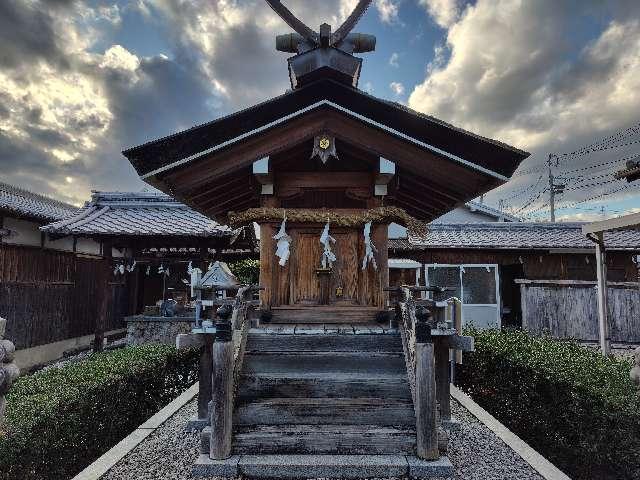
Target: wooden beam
{"type": "Point", "coordinates": [416, 160]}
{"type": "Point", "coordinates": [228, 198]}
{"type": "Point", "coordinates": [631, 221]}
{"type": "Point", "coordinates": [231, 182]}
{"type": "Point", "coordinates": [105, 292]}
{"type": "Point", "coordinates": [603, 314]}
{"type": "Point", "coordinates": [425, 392]}
{"type": "Point", "coordinates": [221, 400]}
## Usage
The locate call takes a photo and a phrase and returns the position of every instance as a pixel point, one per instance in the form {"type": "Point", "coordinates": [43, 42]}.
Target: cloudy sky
{"type": "Point", "coordinates": [81, 80]}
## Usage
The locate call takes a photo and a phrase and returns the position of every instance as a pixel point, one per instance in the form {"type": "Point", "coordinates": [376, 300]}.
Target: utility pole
{"type": "Point", "coordinates": [552, 192]}
{"type": "Point", "coordinates": [554, 188]}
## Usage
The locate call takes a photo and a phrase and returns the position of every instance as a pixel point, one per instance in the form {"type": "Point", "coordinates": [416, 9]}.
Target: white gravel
{"type": "Point", "coordinates": [169, 453]}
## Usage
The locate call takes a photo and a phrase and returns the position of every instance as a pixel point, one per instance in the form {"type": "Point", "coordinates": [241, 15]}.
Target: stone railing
{"type": "Point", "coordinates": [223, 348]}
{"type": "Point", "coordinates": [9, 371]}
{"type": "Point", "coordinates": [427, 338]}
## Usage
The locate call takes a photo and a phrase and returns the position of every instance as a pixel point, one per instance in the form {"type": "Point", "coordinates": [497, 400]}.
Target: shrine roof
{"type": "Point", "coordinates": [25, 204]}
{"type": "Point", "coordinates": [513, 236]}
{"type": "Point", "coordinates": [474, 151]}
{"type": "Point", "coordinates": [137, 214]}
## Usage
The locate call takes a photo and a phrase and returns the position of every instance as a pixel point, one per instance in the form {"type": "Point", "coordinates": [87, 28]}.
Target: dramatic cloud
{"type": "Point", "coordinates": [444, 12]}
{"type": "Point", "coordinates": [511, 74]}
{"type": "Point", "coordinates": [67, 108]}
{"type": "Point", "coordinates": [397, 88]}
{"type": "Point", "coordinates": [387, 11]}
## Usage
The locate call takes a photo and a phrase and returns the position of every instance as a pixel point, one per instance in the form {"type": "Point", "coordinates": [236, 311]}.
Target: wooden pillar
{"type": "Point", "coordinates": [425, 390]}
{"type": "Point", "coordinates": [443, 389]}
{"type": "Point", "coordinates": [105, 295]}
{"type": "Point", "coordinates": [206, 371]}
{"type": "Point", "coordinates": [221, 395]}
{"type": "Point", "coordinates": [603, 320]}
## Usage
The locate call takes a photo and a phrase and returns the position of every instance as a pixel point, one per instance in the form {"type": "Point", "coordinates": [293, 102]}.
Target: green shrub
{"type": "Point", "coordinates": [60, 420]}
{"type": "Point", "coordinates": [247, 271]}
{"type": "Point", "coordinates": [576, 407]}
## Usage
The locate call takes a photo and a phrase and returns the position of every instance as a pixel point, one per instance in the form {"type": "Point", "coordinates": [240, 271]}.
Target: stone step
{"type": "Point", "coordinates": [321, 314]}
{"type": "Point", "coordinates": [266, 343]}
{"type": "Point", "coordinates": [290, 467]}
{"type": "Point", "coordinates": [363, 363]}
{"type": "Point", "coordinates": [323, 385]}
{"type": "Point", "coordinates": [325, 411]}
{"type": "Point", "coordinates": [324, 439]}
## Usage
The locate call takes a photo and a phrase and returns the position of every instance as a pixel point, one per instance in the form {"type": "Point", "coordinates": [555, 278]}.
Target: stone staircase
{"type": "Point", "coordinates": [319, 402]}
{"type": "Point", "coordinates": [324, 394]}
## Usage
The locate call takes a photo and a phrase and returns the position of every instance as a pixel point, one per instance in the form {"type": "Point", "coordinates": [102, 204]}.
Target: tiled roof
{"type": "Point", "coordinates": [513, 236]}
{"type": "Point", "coordinates": [494, 212]}
{"type": "Point", "coordinates": [115, 213]}
{"type": "Point", "coordinates": [33, 205]}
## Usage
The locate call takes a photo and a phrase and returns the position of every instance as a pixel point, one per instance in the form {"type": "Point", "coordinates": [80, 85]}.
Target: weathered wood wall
{"type": "Point", "coordinates": [536, 265]}
{"type": "Point", "coordinates": [569, 309]}
{"type": "Point", "coordinates": [48, 295]}
{"type": "Point", "coordinates": [297, 283]}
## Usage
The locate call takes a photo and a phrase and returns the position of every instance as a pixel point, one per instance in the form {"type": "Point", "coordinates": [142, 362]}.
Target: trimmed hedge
{"type": "Point", "coordinates": [576, 407]}
{"type": "Point", "coordinates": [60, 420]}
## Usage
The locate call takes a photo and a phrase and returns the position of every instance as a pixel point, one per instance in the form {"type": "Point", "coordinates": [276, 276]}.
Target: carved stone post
{"type": "Point", "coordinates": [442, 377]}
{"type": "Point", "coordinates": [425, 401]}
{"type": "Point", "coordinates": [9, 371]}
{"type": "Point", "coordinates": [206, 372]}
{"type": "Point", "coordinates": [222, 388]}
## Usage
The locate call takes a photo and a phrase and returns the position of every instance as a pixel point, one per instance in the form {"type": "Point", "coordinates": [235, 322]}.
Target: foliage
{"type": "Point", "coordinates": [61, 419]}
{"type": "Point", "coordinates": [247, 271]}
{"type": "Point", "coordinates": [576, 407]}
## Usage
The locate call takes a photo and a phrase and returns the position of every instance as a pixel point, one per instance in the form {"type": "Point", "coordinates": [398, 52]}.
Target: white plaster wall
{"type": "Point", "coordinates": [88, 246]}
{"type": "Point", "coordinates": [65, 244]}
{"type": "Point", "coordinates": [23, 232]}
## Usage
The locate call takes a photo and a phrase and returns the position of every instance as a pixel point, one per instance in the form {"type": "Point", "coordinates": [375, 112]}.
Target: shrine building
{"type": "Point", "coordinates": [325, 152]}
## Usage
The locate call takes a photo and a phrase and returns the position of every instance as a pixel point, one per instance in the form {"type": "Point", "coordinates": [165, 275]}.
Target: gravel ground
{"type": "Point", "coordinates": [169, 453]}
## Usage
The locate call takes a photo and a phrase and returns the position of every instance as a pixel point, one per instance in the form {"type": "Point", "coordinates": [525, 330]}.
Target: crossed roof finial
{"type": "Point", "coordinates": [309, 34]}
{"type": "Point", "coordinates": [322, 49]}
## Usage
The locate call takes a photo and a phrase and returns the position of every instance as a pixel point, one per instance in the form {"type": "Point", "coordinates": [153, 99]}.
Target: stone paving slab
{"type": "Point", "coordinates": [291, 467]}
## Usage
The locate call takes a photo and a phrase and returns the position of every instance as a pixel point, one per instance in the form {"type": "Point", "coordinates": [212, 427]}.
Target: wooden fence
{"type": "Point", "coordinates": [569, 309]}
{"type": "Point", "coordinates": [47, 296]}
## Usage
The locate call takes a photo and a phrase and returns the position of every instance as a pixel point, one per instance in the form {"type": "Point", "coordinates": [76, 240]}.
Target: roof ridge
{"type": "Point", "coordinates": [23, 191]}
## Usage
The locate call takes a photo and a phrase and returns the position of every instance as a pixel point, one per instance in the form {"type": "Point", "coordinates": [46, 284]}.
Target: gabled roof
{"type": "Point", "coordinates": [169, 152]}
{"type": "Point", "coordinates": [137, 214]}
{"type": "Point", "coordinates": [513, 236]}
{"type": "Point", "coordinates": [25, 204]}
{"type": "Point", "coordinates": [438, 166]}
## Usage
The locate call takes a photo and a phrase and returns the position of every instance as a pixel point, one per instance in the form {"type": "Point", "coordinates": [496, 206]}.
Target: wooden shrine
{"type": "Point", "coordinates": [324, 151]}
{"type": "Point", "coordinates": [323, 170]}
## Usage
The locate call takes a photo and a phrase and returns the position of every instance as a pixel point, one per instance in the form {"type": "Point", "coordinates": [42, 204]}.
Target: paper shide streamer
{"type": "Point", "coordinates": [328, 257]}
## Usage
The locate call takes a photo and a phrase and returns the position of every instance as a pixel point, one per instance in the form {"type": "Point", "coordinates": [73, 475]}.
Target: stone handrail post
{"type": "Point", "coordinates": [222, 388]}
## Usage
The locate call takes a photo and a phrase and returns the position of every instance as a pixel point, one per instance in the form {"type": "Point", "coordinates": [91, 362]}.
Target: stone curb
{"type": "Point", "coordinates": [103, 464]}
{"type": "Point", "coordinates": [543, 466]}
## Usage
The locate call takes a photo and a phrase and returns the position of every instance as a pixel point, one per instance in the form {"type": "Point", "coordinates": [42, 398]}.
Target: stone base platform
{"type": "Point", "coordinates": [196, 424]}
{"type": "Point", "coordinates": [289, 467]}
